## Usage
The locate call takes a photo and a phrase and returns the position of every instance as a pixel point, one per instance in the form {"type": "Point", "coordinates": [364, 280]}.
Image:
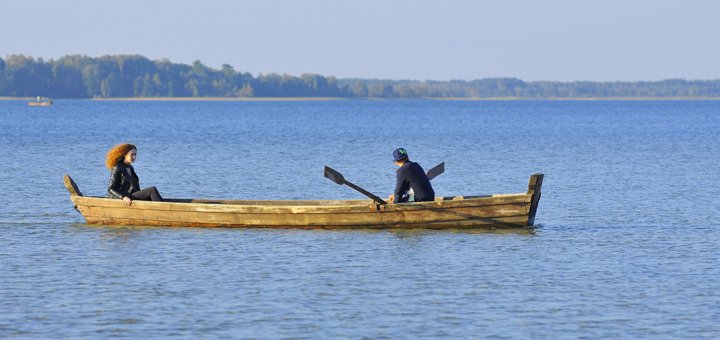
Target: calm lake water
{"type": "Point", "coordinates": [626, 242]}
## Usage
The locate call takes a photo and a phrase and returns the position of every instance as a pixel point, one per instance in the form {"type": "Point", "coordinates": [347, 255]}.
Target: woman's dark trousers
{"type": "Point", "coordinates": [147, 194]}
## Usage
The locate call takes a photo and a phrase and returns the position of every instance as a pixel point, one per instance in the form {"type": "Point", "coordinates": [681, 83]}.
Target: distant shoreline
{"type": "Point", "coordinates": [144, 79]}
{"type": "Point", "coordinates": [189, 98]}
{"type": "Point", "coordinates": [574, 98]}
{"type": "Point", "coordinates": [373, 98]}
{"type": "Point", "coordinates": [219, 99]}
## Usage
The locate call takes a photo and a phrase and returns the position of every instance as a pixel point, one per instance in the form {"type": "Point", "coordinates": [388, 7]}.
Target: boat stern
{"type": "Point", "coordinates": [534, 187]}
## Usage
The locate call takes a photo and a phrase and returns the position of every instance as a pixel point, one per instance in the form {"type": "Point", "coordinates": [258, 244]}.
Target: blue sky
{"type": "Point", "coordinates": [558, 40]}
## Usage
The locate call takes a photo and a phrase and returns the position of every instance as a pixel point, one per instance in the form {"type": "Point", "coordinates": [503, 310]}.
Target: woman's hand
{"type": "Point", "coordinates": [127, 201]}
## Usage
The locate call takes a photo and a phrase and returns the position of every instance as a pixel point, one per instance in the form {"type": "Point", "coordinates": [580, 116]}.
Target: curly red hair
{"type": "Point", "coordinates": [116, 154]}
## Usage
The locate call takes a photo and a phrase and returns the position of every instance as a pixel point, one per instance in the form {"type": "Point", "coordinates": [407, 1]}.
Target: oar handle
{"type": "Point", "coordinates": [378, 200]}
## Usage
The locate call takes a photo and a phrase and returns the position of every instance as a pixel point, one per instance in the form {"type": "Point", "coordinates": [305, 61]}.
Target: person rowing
{"type": "Point", "coordinates": [410, 175]}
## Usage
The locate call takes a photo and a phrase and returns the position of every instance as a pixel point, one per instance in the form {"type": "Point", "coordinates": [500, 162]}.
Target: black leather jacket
{"type": "Point", "coordinates": [123, 181]}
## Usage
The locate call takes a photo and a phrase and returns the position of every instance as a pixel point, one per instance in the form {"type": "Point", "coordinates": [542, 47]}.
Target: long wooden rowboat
{"type": "Point", "coordinates": [489, 211]}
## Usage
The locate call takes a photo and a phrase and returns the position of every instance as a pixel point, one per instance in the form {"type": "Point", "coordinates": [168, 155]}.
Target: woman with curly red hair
{"type": "Point", "coordinates": [124, 182]}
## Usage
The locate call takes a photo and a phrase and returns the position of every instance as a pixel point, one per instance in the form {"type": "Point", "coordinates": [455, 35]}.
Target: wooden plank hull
{"type": "Point", "coordinates": [496, 211]}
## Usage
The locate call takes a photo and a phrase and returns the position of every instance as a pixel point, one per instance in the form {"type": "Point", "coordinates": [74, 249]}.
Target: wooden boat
{"type": "Point", "coordinates": [41, 102]}
{"type": "Point", "coordinates": [488, 211]}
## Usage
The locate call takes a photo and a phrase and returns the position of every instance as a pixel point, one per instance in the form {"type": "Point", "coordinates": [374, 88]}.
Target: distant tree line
{"type": "Point", "coordinates": [77, 76]}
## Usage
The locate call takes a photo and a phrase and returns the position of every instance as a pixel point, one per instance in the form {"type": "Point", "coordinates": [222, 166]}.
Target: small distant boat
{"type": "Point", "coordinates": [488, 211]}
{"type": "Point", "coordinates": [40, 101]}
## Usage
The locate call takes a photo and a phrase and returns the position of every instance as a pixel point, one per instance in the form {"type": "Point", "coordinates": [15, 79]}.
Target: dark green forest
{"type": "Point", "coordinates": [121, 76]}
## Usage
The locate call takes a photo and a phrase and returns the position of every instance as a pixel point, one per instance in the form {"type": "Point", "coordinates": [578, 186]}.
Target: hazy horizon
{"type": "Point", "coordinates": [564, 41]}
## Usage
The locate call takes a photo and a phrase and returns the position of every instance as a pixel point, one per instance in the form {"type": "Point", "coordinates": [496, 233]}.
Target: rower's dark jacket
{"type": "Point", "coordinates": [123, 181]}
{"type": "Point", "coordinates": [412, 176]}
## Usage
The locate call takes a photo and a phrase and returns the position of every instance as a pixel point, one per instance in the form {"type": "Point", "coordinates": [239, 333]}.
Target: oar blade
{"type": "Point", "coordinates": [334, 175]}
{"type": "Point", "coordinates": [436, 171]}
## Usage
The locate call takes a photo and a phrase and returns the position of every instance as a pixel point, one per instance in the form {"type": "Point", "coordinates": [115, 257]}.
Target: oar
{"type": "Point", "coordinates": [340, 179]}
{"type": "Point", "coordinates": [436, 171]}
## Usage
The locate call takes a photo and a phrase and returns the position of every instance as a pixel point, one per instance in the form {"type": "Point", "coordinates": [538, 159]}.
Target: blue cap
{"type": "Point", "coordinates": [399, 154]}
